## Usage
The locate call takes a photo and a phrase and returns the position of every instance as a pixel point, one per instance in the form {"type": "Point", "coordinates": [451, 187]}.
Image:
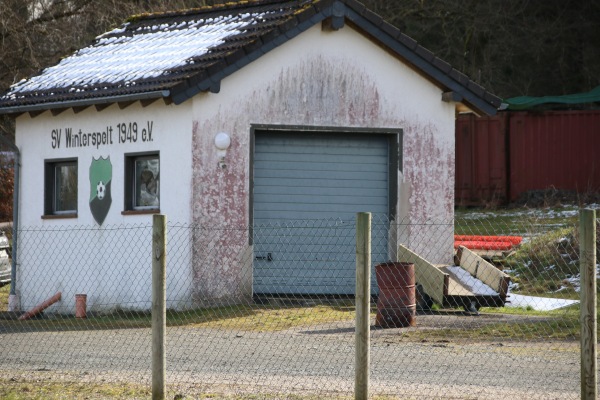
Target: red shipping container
{"type": "Point", "coordinates": [480, 160]}
{"type": "Point", "coordinates": [554, 150]}
{"type": "Point", "coordinates": [500, 158]}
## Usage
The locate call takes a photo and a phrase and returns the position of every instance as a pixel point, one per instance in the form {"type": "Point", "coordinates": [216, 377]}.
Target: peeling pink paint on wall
{"type": "Point", "coordinates": [430, 174]}
{"type": "Point", "coordinates": [318, 91]}
{"type": "Point", "coordinates": [321, 92]}
{"type": "Point", "coordinates": [220, 209]}
{"type": "Point", "coordinates": [431, 171]}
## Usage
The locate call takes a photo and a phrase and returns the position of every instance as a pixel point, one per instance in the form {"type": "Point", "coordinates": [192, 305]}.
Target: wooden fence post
{"type": "Point", "coordinates": [159, 309]}
{"type": "Point", "coordinates": [363, 300]}
{"type": "Point", "coordinates": [587, 259]}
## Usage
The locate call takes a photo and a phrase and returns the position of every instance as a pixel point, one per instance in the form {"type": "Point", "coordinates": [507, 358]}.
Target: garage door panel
{"type": "Point", "coordinates": [271, 200]}
{"type": "Point", "coordinates": [323, 268]}
{"type": "Point", "coordinates": [325, 190]}
{"type": "Point", "coordinates": [350, 176]}
{"type": "Point", "coordinates": [328, 157]}
{"type": "Point", "coordinates": [307, 189]}
{"type": "Point", "coordinates": [276, 216]}
{"type": "Point", "coordinates": [328, 144]}
{"type": "Point", "coordinates": [318, 183]}
{"type": "Point", "coordinates": [324, 249]}
{"type": "Point", "coordinates": [352, 166]}
{"type": "Point", "coordinates": [341, 210]}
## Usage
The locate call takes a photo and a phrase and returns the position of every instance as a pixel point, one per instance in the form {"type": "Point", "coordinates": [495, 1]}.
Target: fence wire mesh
{"type": "Point", "coordinates": [486, 305]}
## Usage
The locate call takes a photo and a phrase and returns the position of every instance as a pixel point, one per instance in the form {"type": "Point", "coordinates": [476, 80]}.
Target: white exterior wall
{"type": "Point", "coordinates": [320, 78]}
{"type": "Point", "coordinates": [110, 264]}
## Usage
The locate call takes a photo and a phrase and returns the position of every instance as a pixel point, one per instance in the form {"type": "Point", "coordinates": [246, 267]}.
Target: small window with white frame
{"type": "Point", "coordinates": [60, 186]}
{"type": "Point", "coordinates": [142, 180]}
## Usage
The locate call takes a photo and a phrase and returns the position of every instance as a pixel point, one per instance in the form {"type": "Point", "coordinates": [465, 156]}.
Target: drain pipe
{"type": "Point", "coordinates": [13, 301]}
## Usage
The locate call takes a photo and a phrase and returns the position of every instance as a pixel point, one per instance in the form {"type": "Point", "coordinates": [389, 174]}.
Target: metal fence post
{"type": "Point", "coordinates": [159, 310]}
{"type": "Point", "coordinates": [587, 257]}
{"type": "Point", "coordinates": [363, 299]}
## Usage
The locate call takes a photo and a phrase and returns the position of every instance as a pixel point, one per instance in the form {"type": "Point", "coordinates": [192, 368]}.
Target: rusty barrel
{"type": "Point", "coordinates": [396, 303]}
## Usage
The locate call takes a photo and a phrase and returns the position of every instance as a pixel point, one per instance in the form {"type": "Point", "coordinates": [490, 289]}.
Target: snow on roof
{"type": "Point", "coordinates": [151, 51]}
{"type": "Point", "coordinates": [179, 54]}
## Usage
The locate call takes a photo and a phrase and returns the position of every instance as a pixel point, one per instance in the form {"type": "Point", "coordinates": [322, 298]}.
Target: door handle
{"type": "Point", "coordinates": [268, 257]}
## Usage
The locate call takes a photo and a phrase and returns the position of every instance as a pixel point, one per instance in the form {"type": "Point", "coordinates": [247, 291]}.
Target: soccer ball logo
{"type": "Point", "coordinates": [100, 184]}
{"type": "Point", "coordinates": [101, 190]}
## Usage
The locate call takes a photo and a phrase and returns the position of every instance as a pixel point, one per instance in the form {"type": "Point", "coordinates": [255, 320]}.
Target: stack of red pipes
{"type": "Point", "coordinates": [480, 242]}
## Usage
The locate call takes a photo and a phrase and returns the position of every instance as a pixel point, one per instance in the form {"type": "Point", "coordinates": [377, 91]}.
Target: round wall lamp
{"type": "Point", "coordinates": [222, 143]}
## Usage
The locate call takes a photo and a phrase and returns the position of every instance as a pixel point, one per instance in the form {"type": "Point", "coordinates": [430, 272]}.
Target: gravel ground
{"type": "Point", "coordinates": [317, 359]}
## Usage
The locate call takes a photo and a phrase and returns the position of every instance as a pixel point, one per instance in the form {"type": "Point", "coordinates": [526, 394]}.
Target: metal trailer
{"type": "Point", "coordinates": [471, 283]}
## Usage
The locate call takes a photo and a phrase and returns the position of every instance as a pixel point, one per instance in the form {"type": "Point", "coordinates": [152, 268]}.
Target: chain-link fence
{"type": "Point", "coordinates": [481, 307]}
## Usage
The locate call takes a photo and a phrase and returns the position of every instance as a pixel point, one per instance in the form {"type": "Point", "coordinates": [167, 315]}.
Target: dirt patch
{"type": "Point", "coordinates": [434, 324]}
{"type": "Point", "coordinates": [438, 325]}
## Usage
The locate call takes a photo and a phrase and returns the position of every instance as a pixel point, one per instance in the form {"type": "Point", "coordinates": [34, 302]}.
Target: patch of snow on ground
{"type": "Point", "coordinates": [537, 303]}
{"type": "Point", "coordinates": [575, 280]}
{"type": "Point", "coordinates": [567, 211]}
{"type": "Point", "coordinates": [545, 303]}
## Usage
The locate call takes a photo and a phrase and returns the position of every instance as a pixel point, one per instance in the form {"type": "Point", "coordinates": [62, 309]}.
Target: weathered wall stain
{"type": "Point", "coordinates": [321, 92]}
{"type": "Point", "coordinates": [219, 207]}
{"type": "Point", "coordinates": [430, 175]}
{"type": "Point", "coordinates": [317, 91]}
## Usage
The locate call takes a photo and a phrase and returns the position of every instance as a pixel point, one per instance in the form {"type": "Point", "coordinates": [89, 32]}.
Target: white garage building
{"type": "Point", "coordinates": [320, 110]}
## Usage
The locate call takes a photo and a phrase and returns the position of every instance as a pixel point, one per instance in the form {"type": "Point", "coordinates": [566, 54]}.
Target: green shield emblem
{"type": "Point", "coordinates": [100, 182]}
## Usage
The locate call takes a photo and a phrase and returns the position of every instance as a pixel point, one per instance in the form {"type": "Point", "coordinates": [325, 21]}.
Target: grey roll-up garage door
{"type": "Point", "coordinates": [307, 190]}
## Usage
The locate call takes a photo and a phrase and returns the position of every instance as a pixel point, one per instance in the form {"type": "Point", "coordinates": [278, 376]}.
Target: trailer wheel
{"type": "Point", "coordinates": [424, 301]}
{"type": "Point", "coordinates": [472, 308]}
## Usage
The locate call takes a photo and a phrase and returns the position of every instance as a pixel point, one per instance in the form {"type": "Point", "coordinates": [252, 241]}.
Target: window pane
{"type": "Point", "coordinates": [65, 191]}
{"type": "Point", "coordinates": [146, 182]}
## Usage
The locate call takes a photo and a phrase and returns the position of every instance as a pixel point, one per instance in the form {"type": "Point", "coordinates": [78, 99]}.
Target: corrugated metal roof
{"type": "Point", "coordinates": [177, 55]}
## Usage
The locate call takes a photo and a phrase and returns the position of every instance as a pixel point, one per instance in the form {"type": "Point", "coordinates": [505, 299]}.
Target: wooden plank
{"type": "Point", "coordinates": [483, 270]}
{"type": "Point", "coordinates": [434, 281]}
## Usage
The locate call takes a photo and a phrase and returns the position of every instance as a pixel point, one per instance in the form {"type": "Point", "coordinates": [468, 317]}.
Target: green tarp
{"type": "Point", "coordinates": [527, 102]}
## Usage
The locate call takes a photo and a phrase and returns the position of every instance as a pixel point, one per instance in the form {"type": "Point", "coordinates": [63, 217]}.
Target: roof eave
{"type": "Point", "coordinates": [480, 107]}
{"type": "Point", "coordinates": [158, 94]}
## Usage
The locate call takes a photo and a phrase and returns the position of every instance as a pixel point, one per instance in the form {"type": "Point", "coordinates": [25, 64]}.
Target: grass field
{"type": "Point", "coordinates": [514, 222]}
{"type": "Point", "coordinates": [547, 262]}
{"type": "Point", "coordinates": [4, 292]}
